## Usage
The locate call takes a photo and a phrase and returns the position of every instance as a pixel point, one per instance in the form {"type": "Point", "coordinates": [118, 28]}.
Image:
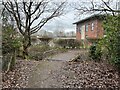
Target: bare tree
{"type": "Point", "coordinates": [31, 16]}
{"type": "Point", "coordinates": [92, 6]}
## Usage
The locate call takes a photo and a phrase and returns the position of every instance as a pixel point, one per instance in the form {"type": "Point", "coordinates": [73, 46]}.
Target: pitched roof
{"type": "Point", "coordinates": [88, 18]}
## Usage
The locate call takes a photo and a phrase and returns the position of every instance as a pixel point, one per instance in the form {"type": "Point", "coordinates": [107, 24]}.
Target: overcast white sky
{"type": "Point", "coordinates": [66, 22]}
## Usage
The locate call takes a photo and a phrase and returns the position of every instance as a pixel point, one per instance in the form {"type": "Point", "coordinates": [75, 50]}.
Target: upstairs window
{"type": "Point", "coordinates": [92, 26]}
{"type": "Point", "coordinates": [86, 27]}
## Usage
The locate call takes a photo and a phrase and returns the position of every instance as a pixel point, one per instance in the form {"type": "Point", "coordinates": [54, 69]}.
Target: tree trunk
{"type": "Point", "coordinates": [26, 45]}
{"type": "Point", "coordinates": [25, 52]}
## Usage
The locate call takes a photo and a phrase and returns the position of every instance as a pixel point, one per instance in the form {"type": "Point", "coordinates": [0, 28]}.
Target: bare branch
{"type": "Point", "coordinates": [32, 11]}
{"type": "Point", "coordinates": [37, 7]}
{"type": "Point", "coordinates": [108, 7]}
{"type": "Point", "coordinates": [57, 12]}
{"type": "Point", "coordinates": [93, 6]}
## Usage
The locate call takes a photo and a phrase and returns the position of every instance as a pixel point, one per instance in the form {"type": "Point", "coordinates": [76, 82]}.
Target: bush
{"type": "Point", "coordinates": [10, 46]}
{"type": "Point", "coordinates": [40, 52]}
{"type": "Point", "coordinates": [95, 53]}
{"type": "Point", "coordinates": [36, 52]}
{"type": "Point", "coordinates": [39, 48]}
{"type": "Point", "coordinates": [111, 43]}
{"type": "Point", "coordinates": [68, 43]}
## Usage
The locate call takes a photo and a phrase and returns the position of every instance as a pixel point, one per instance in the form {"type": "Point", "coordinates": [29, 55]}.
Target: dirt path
{"type": "Point", "coordinates": [66, 56]}
{"type": "Point", "coordinates": [43, 76]}
{"type": "Point", "coordinates": [57, 72]}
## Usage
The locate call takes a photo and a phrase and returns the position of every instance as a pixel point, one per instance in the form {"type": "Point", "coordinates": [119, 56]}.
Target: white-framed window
{"type": "Point", "coordinates": [86, 27]}
{"type": "Point", "coordinates": [92, 26]}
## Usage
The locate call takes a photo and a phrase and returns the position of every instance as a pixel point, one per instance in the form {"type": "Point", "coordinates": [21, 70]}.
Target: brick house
{"type": "Point", "coordinates": [89, 29]}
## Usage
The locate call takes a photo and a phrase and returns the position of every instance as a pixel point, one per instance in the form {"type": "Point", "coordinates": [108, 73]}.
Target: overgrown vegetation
{"type": "Point", "coordinates": [112, 40]}
{"type": "Point", "coordinates": [10, 42]}
{"type": "Point", "coordinates": [10, 46]}
{"type": "Point", "coordinates": [95, 53]}
{"type": "Point", "coordinates": [39, 52]}
{"type": "Point", "coordinates": [25, 14]}
{"type": "Point", "coordinates": [110, 44]}
{"type": "Point", "coordinates": [36, 51]}
{"type": "Point", "coordinates": [68, 43]}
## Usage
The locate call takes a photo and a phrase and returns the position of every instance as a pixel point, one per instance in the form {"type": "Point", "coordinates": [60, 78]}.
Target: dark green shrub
{"type": "Point", "coordinates": [111, 43]}
{"type": "Point", "coordinates": [92, 52]}
{"type": "Point", "coordinates": [95, 53]}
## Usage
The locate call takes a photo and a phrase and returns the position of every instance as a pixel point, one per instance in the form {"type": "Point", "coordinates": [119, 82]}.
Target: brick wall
{"type": "Point", "coordinates": [78, 34]}
{"type": "Point", "coordinates": [92, 33]}
{"type": "Point", "coordinates": [100, 29]}
{"type": "Point", "coordinates": [97, 31]}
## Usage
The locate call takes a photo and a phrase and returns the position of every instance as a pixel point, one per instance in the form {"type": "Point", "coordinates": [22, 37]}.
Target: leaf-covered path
{"type": "Point", "coordinates": [44, 74]}
{"type": "Point", "coordinates": [64, 74]}
{"type": "Point", "coordinates": [65, 56]}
